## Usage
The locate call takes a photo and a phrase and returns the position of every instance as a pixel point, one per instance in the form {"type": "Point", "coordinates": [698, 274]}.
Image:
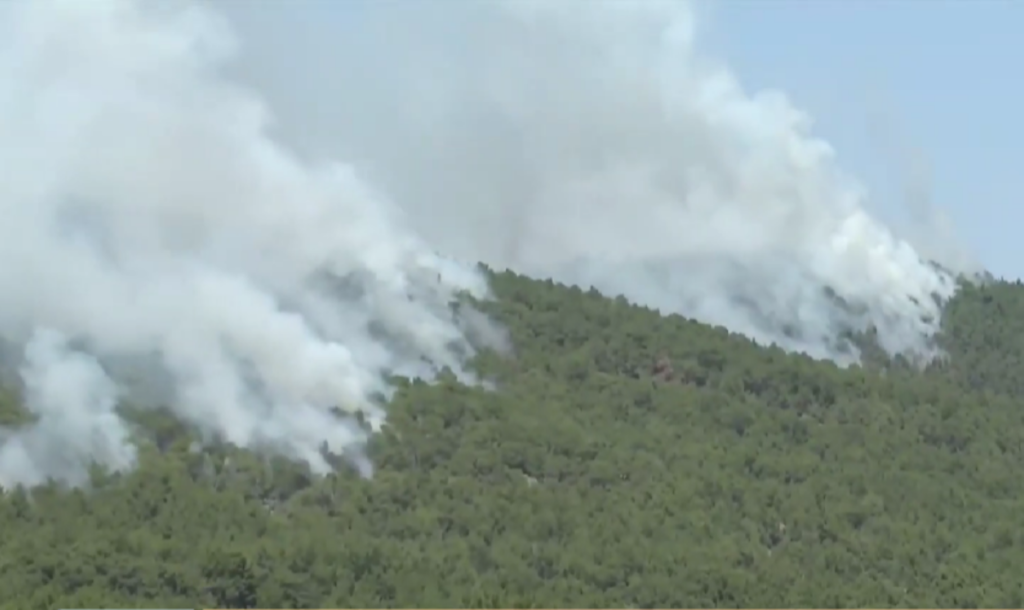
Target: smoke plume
{"type": "Point", "coordinates": [149, 217]}
{"type": "Point", "coordinates": [151, 210]}
{"type": "Point", "coordinates": [592, 142]}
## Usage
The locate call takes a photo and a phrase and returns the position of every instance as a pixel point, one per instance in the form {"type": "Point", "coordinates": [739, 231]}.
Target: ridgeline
{"type": "Point", "coordinates": [628, 459]}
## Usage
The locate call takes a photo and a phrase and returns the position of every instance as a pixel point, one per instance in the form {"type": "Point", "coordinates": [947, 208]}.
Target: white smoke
{"type": "Point", "coordinates": [591, 142]}
{"type": "Point", "coordinates": [74, 402]}
{"type": "Point", "coordinates": [149, 213]}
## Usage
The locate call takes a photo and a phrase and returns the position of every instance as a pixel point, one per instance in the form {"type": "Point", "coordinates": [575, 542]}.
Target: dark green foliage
{"type": "Point", "coordinates": [626, 460]}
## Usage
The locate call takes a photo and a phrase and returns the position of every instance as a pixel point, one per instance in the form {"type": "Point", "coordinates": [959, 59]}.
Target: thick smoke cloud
{"type": "Point", "coordinates": [148, 213]}
{"type": "Point", "coordinates": [593, 143]}
{"type": "Point", "coordinates": [148, 217]}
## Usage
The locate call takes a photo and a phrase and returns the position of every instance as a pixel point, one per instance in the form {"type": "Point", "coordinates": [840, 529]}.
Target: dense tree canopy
{"type": "Point", "coordinates": [627, 459]}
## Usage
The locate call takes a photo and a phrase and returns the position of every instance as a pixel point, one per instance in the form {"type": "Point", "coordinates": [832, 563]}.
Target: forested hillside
{"type": "Point", "coordinates": [626, 459]}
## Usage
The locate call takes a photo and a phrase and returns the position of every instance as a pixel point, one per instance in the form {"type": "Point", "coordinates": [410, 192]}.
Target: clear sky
{"type": "Point", "coordinates": [944, 77]}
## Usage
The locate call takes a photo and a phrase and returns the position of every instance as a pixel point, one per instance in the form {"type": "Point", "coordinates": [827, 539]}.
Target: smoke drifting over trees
{"type": "Point", "coordinates": [152, 212]}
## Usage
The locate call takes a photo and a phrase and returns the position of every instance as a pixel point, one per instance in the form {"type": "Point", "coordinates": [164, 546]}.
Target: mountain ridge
{"type": "Point", "coordinates": [619, 451]}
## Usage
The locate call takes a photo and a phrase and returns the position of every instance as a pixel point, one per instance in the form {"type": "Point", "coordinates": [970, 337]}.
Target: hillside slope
{"type": "Point", "coordinates": [626, 460]}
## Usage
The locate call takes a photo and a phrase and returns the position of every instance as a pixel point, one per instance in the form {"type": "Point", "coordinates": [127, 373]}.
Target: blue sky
{"type": "Point", "coordinates": [947, 76]}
